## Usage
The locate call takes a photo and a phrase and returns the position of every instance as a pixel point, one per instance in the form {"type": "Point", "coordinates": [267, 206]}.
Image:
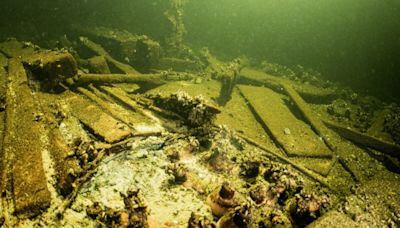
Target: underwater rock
{"type": "Point", "coordinates": [286, 131]}
{"type": "Point", "coordinates": [359, 112]}
{"type": "Point", "coordinates": [173, 154]}
{"type": "Point", "coordinates": [333, 218]}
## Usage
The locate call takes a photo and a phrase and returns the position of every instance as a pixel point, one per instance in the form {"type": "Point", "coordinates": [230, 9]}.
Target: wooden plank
{"type": "Point", "coordinates": [365, 140]}
{"type": "Point", "coordinates": [124, 98]}
{"type": "Point", "coordinates": [140, 123]}
{"type": "Point", "coordinates": [23, 144]}
{"type": "Point", "coordinates": [100, 123]}
{"type": "Point", "coordinates": [292, 134]}
{"type": "Point", "coordinates": [236, 115]}
{"type": "Point", "coordinates": [309, 116]}
{"type": "Point", "coordinates": [66, 167]}
{"type": "Point", "coordinates": [322, 166]}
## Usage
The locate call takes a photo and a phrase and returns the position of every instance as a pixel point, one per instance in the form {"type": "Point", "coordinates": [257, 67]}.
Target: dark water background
{"type": "Point", "coordinates": [355, 42]}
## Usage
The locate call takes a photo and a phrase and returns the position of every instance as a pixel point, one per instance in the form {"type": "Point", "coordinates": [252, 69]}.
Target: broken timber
{"type": "Point", "coordinates": [154, 79]}
{"type": "Point", "coordinates": [98, 65]}
{"type": "Point", "coordinates": [99, 123]}
{"type": "Point", "coordinates": [377, 128]}
{"type": "Point", "coordinates": [365, 140]}
{"type": "Point", "coordinates": [141, 123]}
{"type": "Point", "coordinates": [136, 106]}
{"type": "Point", "coordinates": [99, 50]}
{"type": "Point", "coordinates": [23, 144]}
{"type": "Point", "coordinates": [66, 167]}
{"type": "Point", "coordinates": [310, 93]}
{"type": "Point", "coordinates": [292, 135]}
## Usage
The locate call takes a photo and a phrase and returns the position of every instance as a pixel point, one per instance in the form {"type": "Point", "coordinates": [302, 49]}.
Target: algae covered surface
{"type": "Point", "coordinates": [180, 113]}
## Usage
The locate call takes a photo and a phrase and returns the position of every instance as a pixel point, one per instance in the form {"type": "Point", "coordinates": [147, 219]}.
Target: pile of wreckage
{"type": "Point", "coordinates": [110, 129]}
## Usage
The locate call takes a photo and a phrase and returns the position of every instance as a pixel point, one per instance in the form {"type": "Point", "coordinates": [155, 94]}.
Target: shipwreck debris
{"type": "Point", "coordinates": [170, 166]}
{"type": "Point", "coordinates": [98, 65]}
{"type": "Point", "coordinates": [249, 76]}
{"type": "Point", "coordinates": [365, 140]}
{"type": "Point", "coordinates": [23, 145]}
{"type": "Point", "coordinates": [148, 79]}
{"type": "Point", "coordinates": [197, 221]}
{"type": "Point", "coordinates": [195, 112]}
{"type": "Point", "coordinates": [51, 68]}
{"type": "Point", "coordinates": [302, 141]}
{"type": "Point", "coordinates": [99, 50]}
{"type": "Point", "coordinates": [139, 51]}
{"type": "Point", "coordinates": [228, 76]}
{"type": "Point", "coordinates": [315, 123]}
{"type": "Point", "coordinates": [135, 213]}
{"type": "Point", "coordinates": [308, 208]}
{"type": "Point", "coordinates": [99, 123]}
{"type": "Point", "coordinates": [174, 15]}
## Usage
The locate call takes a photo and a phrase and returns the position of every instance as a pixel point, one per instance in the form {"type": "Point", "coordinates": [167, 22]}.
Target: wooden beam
{"type": "Point", "coordinates": [315, 123]}
{"type": "Point", "coordinates": [365, 140]}
{"type": "Point", "coordinates": [23, 145]}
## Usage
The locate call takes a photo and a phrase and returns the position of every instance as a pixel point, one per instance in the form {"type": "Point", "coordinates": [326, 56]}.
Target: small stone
{"type": "Point", "coordinates": [286, 131]}
{"type": "Point", "coordinates": [198, 80]}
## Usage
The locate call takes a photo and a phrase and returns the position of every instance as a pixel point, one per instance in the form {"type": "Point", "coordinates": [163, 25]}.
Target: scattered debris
{"type": "Point", "coordinates": [195, 112]}
{"type": "Point", "coordinates": [124, 159]}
